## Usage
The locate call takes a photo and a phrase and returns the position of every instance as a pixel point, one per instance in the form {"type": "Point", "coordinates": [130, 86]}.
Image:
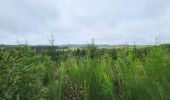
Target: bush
{"type": "Point", "coordinates": [22, 73]}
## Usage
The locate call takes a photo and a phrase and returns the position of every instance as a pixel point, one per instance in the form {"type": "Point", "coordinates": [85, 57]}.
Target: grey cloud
{"type": "Point", "coordinates": [77, 21]}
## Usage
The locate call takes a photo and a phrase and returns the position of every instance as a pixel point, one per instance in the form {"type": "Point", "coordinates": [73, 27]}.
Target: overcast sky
{"type": "Point", "coordinates": [77, 21]}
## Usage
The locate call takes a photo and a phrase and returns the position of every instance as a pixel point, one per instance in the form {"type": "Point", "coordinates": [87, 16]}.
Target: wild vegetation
{"type": "Point", "coordinates": [85, 74]}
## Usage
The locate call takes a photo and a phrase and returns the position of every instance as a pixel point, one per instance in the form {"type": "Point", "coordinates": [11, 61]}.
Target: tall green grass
{"type": "Point", "coordinates": [127, 78]}
{"type": "Point", "coordinates": [118, 74]}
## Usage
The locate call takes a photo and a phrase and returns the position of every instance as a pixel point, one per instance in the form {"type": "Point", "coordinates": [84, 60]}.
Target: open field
{"type": "Point", "coordinates": [85, 74]}
{"type": "Point", "coordinates": [84, 49]}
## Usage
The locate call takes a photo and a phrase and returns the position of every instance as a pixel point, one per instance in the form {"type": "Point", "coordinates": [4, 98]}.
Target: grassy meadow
{"type": "Point", "coordinates": [85, 73]}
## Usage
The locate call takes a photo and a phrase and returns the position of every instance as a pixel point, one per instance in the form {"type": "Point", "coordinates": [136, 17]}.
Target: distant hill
{"type": "Point", "coordinates": [59, 46]}
{"type": "Point", "coordinates": [44, 47]}
{"type": "Point", "coordinates": [63, 46]}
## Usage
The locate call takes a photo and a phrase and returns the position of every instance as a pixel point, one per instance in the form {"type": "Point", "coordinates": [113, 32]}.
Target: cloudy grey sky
{"type": "Point", "coordinates": [77, 21]}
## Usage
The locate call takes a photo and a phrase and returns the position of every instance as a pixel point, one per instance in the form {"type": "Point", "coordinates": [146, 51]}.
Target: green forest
{"type": "Point", "coordinates": [89, 73]}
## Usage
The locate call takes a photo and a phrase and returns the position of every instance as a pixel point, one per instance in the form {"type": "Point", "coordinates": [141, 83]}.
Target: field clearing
{"type": "Point", "coordinates": [119, 73]}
